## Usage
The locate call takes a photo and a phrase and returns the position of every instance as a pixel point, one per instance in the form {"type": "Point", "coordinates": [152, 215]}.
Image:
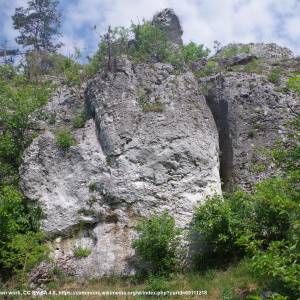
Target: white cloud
{"type": "Point", "coordinates": [202, 20]}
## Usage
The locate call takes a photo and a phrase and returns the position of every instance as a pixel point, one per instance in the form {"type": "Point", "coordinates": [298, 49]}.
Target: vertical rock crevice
{"type": "Point", "coordinates": [220, 111]}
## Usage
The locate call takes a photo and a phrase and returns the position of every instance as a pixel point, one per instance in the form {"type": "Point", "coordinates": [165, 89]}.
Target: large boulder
{"type": "Point", "coordinates": [150, 145]}
{"type": "Point", "coordinates": [169, 23]}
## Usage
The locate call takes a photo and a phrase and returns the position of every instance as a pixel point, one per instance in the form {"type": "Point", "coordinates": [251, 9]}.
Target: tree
{"type": "Point", "coordinates": [38, 24]}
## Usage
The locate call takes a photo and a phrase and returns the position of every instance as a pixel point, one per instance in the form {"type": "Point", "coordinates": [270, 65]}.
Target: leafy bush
{"type": "Point", "coordinates": [82, 252]}
{"type": "Point", "coordinates": [157, 244]}
{"type": "Point", "coordinates": [19, 98]}
{"type": "Point", "coordinates": [278, 267]}
{"type": "Point", "coordinates": [24, 252]}
{"type": "Point", "coordinates": [263, 225]}
{"type": "Point", "coordinates": [192, 52]}
{"type": "Point", "coordinates": [212, 233]}
{"type": "Point", "coordinates": [64, 139]}
{"type": "Point", "coordinates": [151, 43]}
{"type": "Point", "coordinates": [20, 242]}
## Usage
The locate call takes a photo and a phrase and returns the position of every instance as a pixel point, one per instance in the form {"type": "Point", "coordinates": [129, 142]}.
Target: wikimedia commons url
{"type": "Point", "coordinates": [53, 293]}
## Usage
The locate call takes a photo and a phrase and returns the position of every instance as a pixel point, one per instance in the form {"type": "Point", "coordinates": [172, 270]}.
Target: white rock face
{"type": "Point", "coordinates": [150, 145]}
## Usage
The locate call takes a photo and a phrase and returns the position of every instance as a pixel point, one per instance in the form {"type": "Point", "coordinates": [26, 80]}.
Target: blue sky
{"type": "Point", "coordinates": [203, 21]}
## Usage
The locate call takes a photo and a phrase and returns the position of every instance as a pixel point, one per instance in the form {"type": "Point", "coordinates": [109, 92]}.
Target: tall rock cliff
{"type": "Point", "coordinates": [152, 142]}
{"type": "Point", "coordinates": [150, 145]}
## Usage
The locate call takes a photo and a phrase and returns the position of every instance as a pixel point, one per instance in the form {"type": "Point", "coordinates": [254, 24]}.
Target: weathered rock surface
{"type": "Point", "coordinates": [151, 145]}
{"type": "Point", "coordinates": [169, 23]}
{"type": "Point", "coordinates": [250, 115]}
{"type": "Point", "coordinates": [260, 50]}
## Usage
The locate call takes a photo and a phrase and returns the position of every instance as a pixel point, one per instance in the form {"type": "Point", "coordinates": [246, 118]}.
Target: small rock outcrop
{"type": "Point", "coordinates": [169, 23]}
{"type": "Point", "coordinates": [150, 145]}
{"type": "Point", "coordinates": [270, 51]}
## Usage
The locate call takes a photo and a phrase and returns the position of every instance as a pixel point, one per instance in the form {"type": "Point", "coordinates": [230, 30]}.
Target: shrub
{"type": "Point", "coordinates": [21, 245]}
{"type": "Point", "coordinates": [81, 252]}
{"type": "Point", "coordinates": [79, 120]}
{"type": "Point", "coordinates": [233, 50]}
{"type": "Point", "coordinates": [274, 77]}
{"type": "Point", "coordinates": [278, 268]}
{"type": "Point", "coordinates": [157, 244]}
{"type": "Point", "coordinates": [192, 52]}
{"type": "Point", "coordinates": [24, 252]}
{"type": "Point", "coordinates": [151, 43]}
{"type": "Point", "coordinates": [19, 98]}
{"type": "Point", "coordinates": [64, 139]}
{"type": "Point", "coordinates": [293, 84]}
{"type": "Point", "coordinates": [210, 68]}
{"type": "Point", "coordinates": [115, 43]}
{"type": "Point", "coordinates": [263, 225]}
{"type": "Point", "coordinates": [212, 236]}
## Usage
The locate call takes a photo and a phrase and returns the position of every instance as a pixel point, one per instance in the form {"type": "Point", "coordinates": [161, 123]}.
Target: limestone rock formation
{"type": "Point", "coordinates": [169, 23]}
{"type": "Point", "coordinates": [250, 111]}
{"type": "Point", "coordinates": [152, 142]}
{"type": "Point", "coordinates": [260, 50]}
{"type": "Point", "coordinates": [150, 145]}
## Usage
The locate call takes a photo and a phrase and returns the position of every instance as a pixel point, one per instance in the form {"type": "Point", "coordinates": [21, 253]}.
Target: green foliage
{"type": "Point", "coordinates": [68, 67]}
{"type": "Point", "coordinates": [253, 67]}
{"type": "Point", "coordinates": [157, 283]}
{"type": "Point", "coordinates": [234, 50]}
{"type": "Point", "coordinates": [149, 106]}
{"type": "Point", "coordinates": [38, 24]}
{"type": "Point", "coordinates": [81, 252]}
{"type": "Point", "coordinates": [24, 252]}
{"type": "Point", "coordinates": [212, 232]}
{"type": "Point", "coordinates": [278, 267]}
{"type": "Point", "coordinates": [210, 68]}
{"type": "Point", "coordinates": [19, 98]}
{"type": "Point", "coordinates": [293, 84]}
{"type": "Point", "coordinates": [92, 186]}
{"type": "Point", "coordinates": [274, 76]}
{"type": "Point", "coordinates": [263, 225]}
{"type": "Point", "coordinates": [192, 52]}
{"type": "Point", "coordinates": [151, 43]}
{"type": "Point", "coordinates": [64, 139]}
{"type": "Point", "coordinates": [157, 244]}
{"type": "Point", "coordinates": [79, 120]}
{"type": "Point", "coordinates": [21, 245]}
{"type": "Point", "coordinates": [112, 45]}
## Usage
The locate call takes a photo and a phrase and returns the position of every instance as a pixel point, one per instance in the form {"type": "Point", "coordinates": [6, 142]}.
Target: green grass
{"type": "Point", "coordinates": [293, 84]}
{"type": "Point", "coordinates": [275, 76]}
{"type": "Point", "coordinates": [234, 283]}
{"type": "Point", "coordinates": [79, 120]}
{"type": "Point", "coordinates": [148, 106]}
{"type": "Point", "coordinates": [82, 252]}
{"type": "Point", "coordinates": [64, 139]}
